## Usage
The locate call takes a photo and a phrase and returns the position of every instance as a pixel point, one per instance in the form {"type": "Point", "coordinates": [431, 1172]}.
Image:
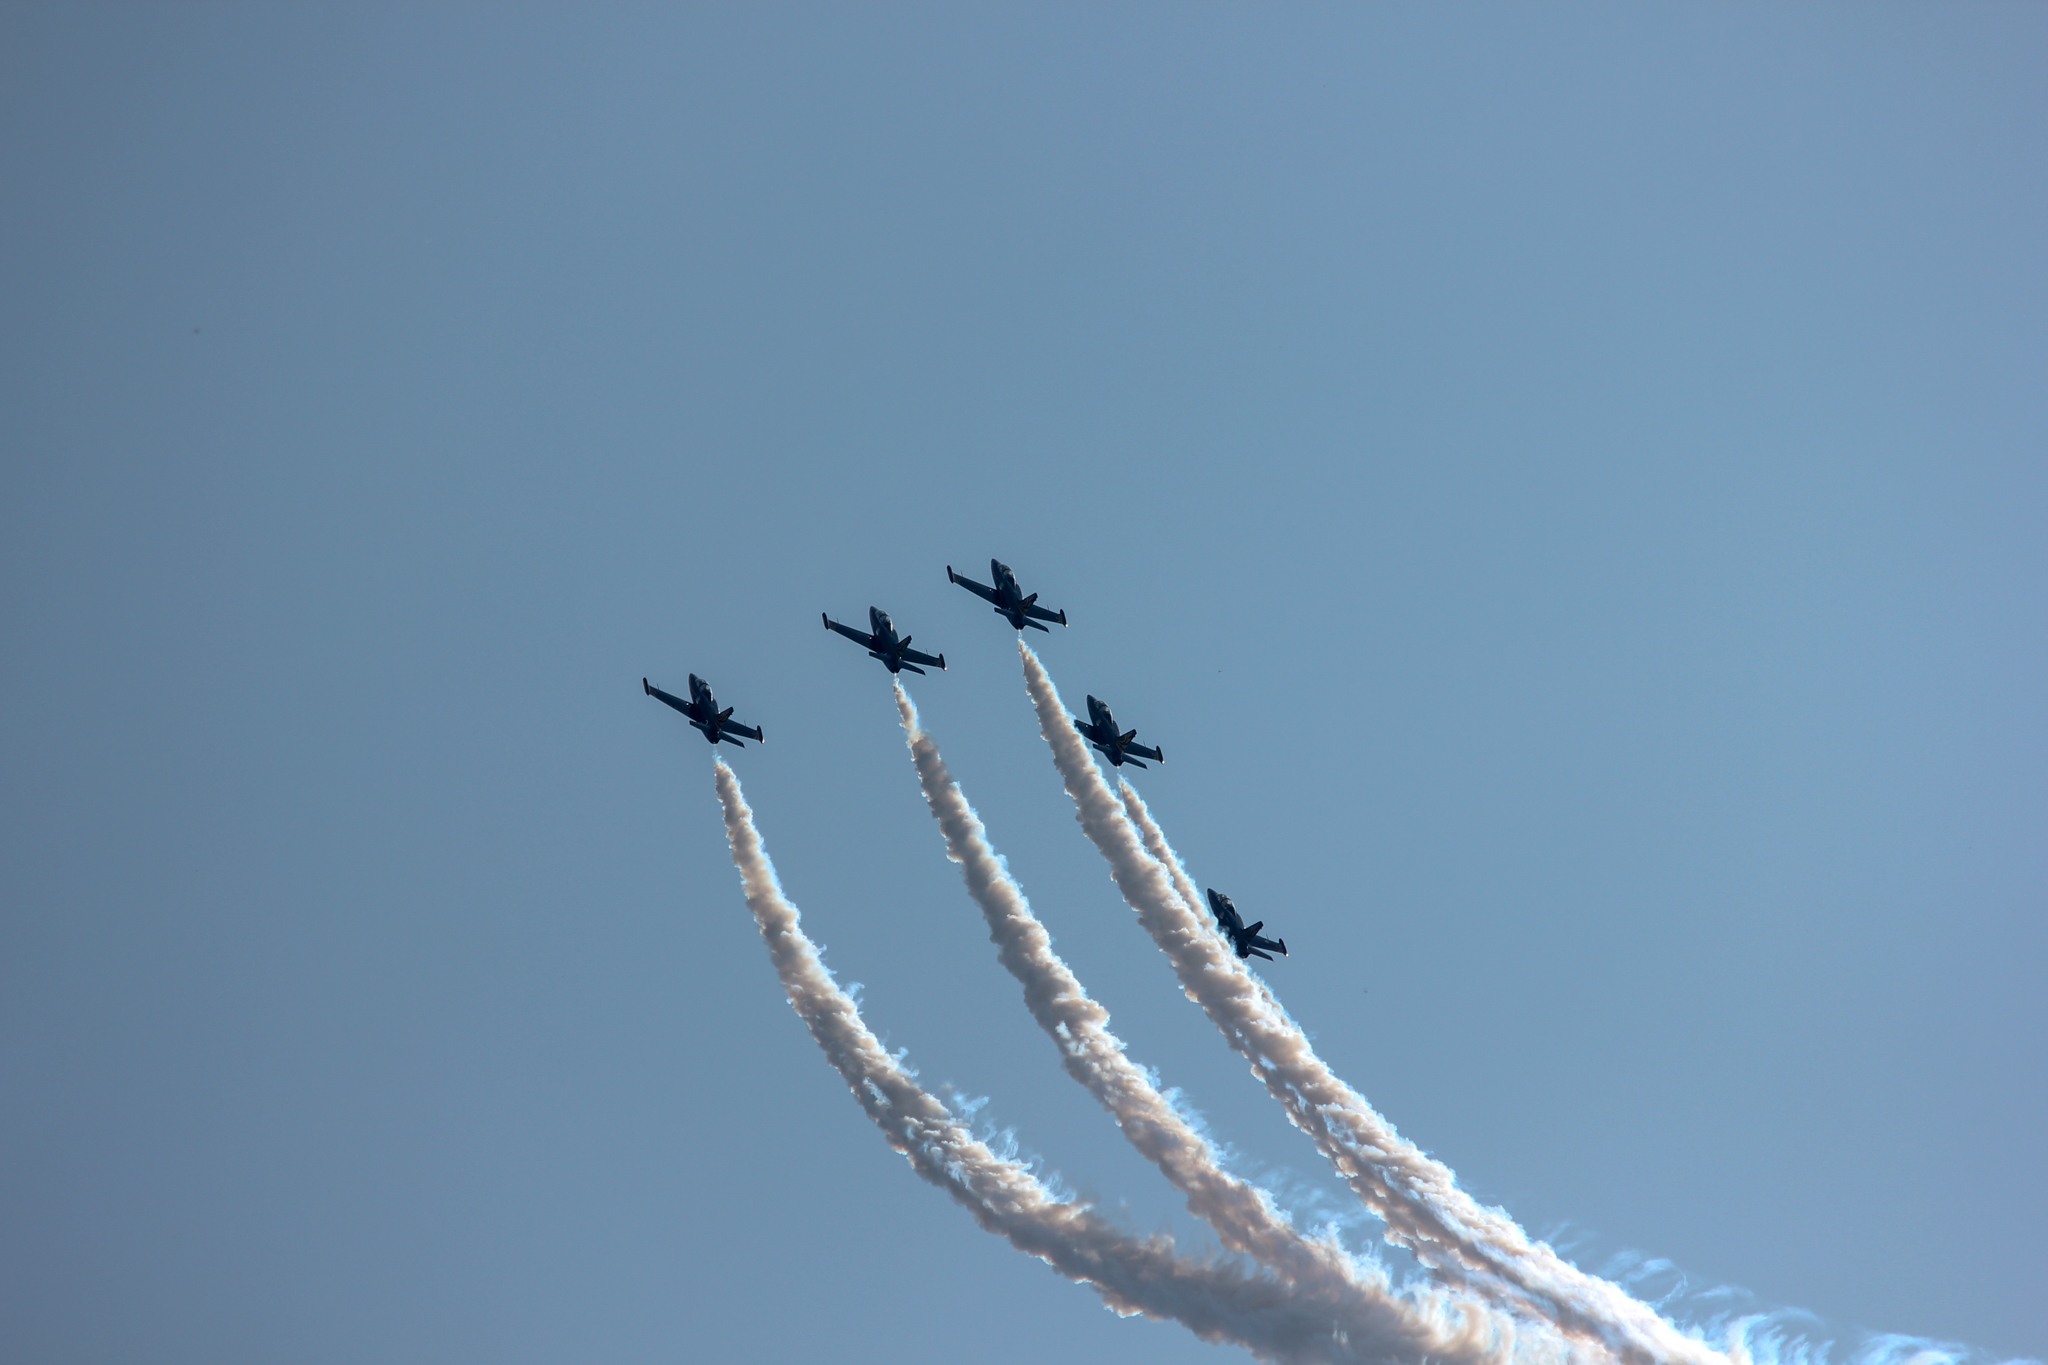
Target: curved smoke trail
{"type": "Point", "coordinates": [1215, 1300]}
{"type": "Point", "coordinates": [1418, 1198]}
{"type": "Point", "coordinates": [1748, 1338]}
{"type": "Point", "coordinates": [1376, 1319]}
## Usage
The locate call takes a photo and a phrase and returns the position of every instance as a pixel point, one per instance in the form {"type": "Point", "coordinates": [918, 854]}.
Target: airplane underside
{"type": "Point", "coordinates": [1020, 621]}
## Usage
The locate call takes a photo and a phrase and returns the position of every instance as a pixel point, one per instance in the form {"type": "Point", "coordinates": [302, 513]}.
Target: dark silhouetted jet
{"type": "Point", "coordinates": [1100, 730]}
{"type": "Point", "coordinates": [1246, 941]}
{"type": "Point", "coordinates": [703, 712]}
{"type": "Point", "coordinates": [896, 655]}
{"type": "Point", "coordinates": [1010, 601]}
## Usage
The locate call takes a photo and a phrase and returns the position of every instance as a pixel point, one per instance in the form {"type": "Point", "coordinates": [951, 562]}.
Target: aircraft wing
{"type": "Point", "coordinates": [1261, 941]}
{"type": "Point", "coordinates": [985, 594]}
{"type": "Point", "coordinates": [915, 656]}
{"type": "Point", "coordinates": [685, 707]}
{"type": "Point", "coordinates": [1034, 610]}
{"type": "Point", "coordinates": [848, 631]}
{"type": "Point", "coordinates": [752, 732]}
{"type": "Point", "coordinates": [1142, 752]}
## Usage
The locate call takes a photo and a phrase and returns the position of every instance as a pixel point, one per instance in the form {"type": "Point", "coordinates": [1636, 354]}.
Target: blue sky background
{"type": "Point", "coordinates": [1565, 485]}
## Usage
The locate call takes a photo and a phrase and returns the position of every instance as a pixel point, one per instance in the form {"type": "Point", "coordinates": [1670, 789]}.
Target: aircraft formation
{"type": "Point", "coordinates": [895, 654]}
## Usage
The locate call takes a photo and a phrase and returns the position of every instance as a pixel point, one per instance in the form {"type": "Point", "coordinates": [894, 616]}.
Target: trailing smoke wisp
{"type": "Point", "coordinates": [1214, 1299]}
{"type": "Point", "coordinates": [1375, 1319]}
{"type": "Point", "coordinates": [1418, 1198]}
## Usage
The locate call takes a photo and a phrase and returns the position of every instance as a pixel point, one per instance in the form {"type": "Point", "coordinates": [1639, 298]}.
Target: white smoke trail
{"type": "Point", "coordinates": [1213, 1299]}
{"type": "Point", "coordinates": [1752, 1338]}
{"type": "Point", "coordinates": [1445, 1228]}
{"type": "Point", "coordinates": [1242, 1215]}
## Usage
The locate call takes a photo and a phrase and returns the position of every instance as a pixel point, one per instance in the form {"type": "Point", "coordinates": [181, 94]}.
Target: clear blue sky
{"type": "Point", "coordinates": [1567, 486]}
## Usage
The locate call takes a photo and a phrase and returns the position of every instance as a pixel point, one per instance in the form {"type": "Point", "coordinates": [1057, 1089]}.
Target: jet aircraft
{"type": "Point", "coordinates": [703, 712]}
{"type": "Point", "coordinates": [1010, 601]}
{"type": "Point", "coordinates": [1100, 730]}
{"type": "Point", "coordinates": [882, 643]}
{"type": "Point", "coordinates": [1245, 940]}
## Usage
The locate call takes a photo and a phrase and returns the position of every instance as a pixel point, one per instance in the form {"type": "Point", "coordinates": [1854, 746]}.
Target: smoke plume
{"type": "Point", "coordinates": [1215, 1300]}
{"type": "Point", "coordinates": [1242, 1215]}
{"type": "Point", "coordinates": [1418, 1198]}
